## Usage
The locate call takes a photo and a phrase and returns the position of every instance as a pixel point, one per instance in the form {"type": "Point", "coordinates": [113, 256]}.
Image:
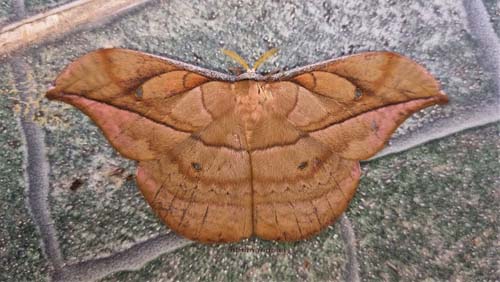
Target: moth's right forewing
{"type": "Point", "coordinates": [362, 99]}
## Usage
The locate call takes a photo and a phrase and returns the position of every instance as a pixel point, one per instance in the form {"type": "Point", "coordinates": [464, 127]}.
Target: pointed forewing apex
{"type": "Point", "coordinates": [355, 103]}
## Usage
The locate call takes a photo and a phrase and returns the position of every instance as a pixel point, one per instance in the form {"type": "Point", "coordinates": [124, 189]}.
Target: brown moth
{"type": "Point", "coordinates": [223, 157]}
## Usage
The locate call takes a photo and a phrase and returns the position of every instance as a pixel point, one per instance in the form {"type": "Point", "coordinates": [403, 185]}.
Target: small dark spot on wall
{"type": "Point", "coordinates": [117, 171]}
{"type": "Point", "coordinates": [77, 183]}
{"type": "Point", "coordinates": [129, 177]}
{"type": "Point", "coordinates": [14, 143]}
{"type": "Point", "coordinates": [306, 264]}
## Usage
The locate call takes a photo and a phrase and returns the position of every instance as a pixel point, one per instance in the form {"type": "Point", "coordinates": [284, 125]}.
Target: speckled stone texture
{"type": "Point", "coordinates": [428, 213]}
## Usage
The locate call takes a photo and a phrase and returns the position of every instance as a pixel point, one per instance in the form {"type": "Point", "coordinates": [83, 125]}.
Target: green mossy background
{"type": "Point", "coordinates": [426, 214]}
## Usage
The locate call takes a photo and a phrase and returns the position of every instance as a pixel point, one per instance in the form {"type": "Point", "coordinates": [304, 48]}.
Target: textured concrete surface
{"type": "Point", "coordinates": [21, 256]}
{"type": "Point", "coordinates": [493, 8]}
{"type": "Point", "coordinates": [5, 9]}
{"type": "Point", "coordinates": [427, 213]}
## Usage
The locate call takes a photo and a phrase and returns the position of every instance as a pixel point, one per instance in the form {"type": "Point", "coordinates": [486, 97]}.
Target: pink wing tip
{"type": "Point", "coordinates": [442, 98]}
{"type": "Point", "coordinates": [53, 93]}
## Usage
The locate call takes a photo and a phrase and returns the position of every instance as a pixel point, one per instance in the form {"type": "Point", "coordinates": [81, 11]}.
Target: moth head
{"type": "Point", "coordinates": [237, 58]}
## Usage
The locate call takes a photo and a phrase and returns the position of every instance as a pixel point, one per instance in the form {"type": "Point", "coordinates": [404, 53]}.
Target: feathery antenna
{"type": "Point", "coordinates": [233, 55]}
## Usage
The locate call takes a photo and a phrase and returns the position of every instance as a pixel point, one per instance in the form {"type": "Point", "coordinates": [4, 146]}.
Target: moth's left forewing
{"type": "Point", "coordinates": [355, 103]}
{"type": "Point", "coordinates": [143, 104]}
